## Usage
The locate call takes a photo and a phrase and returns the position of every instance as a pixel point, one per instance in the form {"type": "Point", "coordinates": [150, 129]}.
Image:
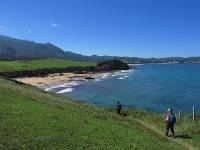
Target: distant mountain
{"type": "Point", "coordinates": [12, 48]}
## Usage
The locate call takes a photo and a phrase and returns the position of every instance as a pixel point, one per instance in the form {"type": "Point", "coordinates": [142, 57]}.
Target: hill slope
{"type": "Point", "coordinates": [11, 48]}
{"type": "Point", "coordinates": [33, 119]}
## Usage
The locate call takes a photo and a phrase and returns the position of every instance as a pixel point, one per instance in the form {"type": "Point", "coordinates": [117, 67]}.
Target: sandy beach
{"type": "Point", "coordinates": [54, 78]}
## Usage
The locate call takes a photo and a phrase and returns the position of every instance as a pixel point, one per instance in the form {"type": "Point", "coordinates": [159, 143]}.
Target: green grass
{"type": "Point", "coordinates": [34, 119]}
{"type": "Point", "coordinates": [187, 131]}
{"type": "Point", "coordinates": [7, 66]}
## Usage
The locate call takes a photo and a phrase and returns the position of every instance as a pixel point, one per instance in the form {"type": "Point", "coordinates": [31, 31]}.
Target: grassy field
{"type": "Point", "coordinates": [34, 119]}
{"type": "Point", "coordinates": [6, 66]}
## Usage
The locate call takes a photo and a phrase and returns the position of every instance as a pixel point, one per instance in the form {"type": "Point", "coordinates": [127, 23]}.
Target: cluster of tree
{"type": "Point", "coordinates": [112, 65]}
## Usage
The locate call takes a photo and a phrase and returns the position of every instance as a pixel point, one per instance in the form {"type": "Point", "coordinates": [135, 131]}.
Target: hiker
{"type": "Point", "coordinates": [119, 107]}
{"type": "Point", "coordinates": [170, 121]}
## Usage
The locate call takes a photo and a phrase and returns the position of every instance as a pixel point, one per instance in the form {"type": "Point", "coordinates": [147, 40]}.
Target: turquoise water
{"type": "Point", "coordinates": [153, 87]}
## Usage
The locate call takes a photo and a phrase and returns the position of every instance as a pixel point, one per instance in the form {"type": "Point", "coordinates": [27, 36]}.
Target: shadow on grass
{"type": "Point", "coordinates": [184, 136]}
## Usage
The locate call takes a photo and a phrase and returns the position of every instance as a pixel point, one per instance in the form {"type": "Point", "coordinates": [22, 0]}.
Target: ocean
{"type": "Point", "coordinates": [153, 87]}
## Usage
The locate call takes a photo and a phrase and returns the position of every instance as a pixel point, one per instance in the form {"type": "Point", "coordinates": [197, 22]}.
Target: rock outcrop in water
{"type": "Point", "coordinates": [101, 67]}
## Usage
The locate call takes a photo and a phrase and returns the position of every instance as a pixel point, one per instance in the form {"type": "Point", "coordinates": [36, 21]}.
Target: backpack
{"type": "Point", "coordinates": [172, 118]}
{"type": "Point", "coordinates": [119, 106]}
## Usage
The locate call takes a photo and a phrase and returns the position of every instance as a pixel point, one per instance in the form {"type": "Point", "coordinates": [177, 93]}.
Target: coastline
{"type": "Point", "coordinates": [68, 81]}
{"type": "Point", "coordinates": [50, 79]}
{"type": "Point", "coordinates": [55, 78]}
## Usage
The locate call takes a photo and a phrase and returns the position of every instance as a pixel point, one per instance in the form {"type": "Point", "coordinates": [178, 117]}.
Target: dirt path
{"type": "Point", "coordinates": [154, 129]}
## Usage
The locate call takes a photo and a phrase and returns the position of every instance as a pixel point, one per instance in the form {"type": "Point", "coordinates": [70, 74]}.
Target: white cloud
{"type": "Point", "coordinates": [3, 28]}
{"type": "Point", "coordinates": [54, 25]}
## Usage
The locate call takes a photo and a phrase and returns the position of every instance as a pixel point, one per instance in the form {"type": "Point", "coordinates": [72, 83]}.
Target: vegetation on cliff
{"type": "Point", "coordinates": [112, 65]}
{"type": "Point", "coordinates": [42, 67]}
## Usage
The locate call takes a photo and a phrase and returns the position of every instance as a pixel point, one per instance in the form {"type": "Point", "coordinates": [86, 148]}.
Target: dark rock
{"type": "Point", "coordinates": [111, 65]}
{"type": "Point", "coordinates": [45, 72]}
{"type": "Point", "coordinates": [88, 78]}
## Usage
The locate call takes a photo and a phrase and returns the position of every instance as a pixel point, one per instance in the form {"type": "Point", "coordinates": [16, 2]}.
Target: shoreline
{"type": "Point", "coordinates": [68, 81]}
{"type": "Point", "coordinates": [56, 78]}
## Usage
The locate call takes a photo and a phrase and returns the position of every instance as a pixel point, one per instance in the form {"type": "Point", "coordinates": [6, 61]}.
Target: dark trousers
{"type": "Point", "coordinates": [119, 111]}
{"type": "Point", "coordinates": [171, 127]}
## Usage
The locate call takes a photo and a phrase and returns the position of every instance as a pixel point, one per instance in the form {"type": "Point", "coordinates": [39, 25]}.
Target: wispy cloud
{"type": "Point", "coordinates": [3, 28]}
{"type": "Point", "coordinates": [29, 31]}
{"type": "Point", "coordinates": [54, 25]}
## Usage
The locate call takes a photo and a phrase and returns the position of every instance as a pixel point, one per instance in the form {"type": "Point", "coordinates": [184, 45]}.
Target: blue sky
{"type": "Point", "coordinates": [143, 28]}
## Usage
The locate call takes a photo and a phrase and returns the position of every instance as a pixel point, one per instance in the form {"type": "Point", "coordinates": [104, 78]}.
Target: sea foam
{"type": "Point", "coordinates": [124, 71]}
{"type": "Point", "coordinates": [68, 84]}
{"type": "Point", "coordinates": [98, 79]}
{"type": "Point", "coordinates": [67, 90]}
{"type": "Point", "coordinates": [104, 76]}
{"type": "Point", "coordinates": [114, 75]}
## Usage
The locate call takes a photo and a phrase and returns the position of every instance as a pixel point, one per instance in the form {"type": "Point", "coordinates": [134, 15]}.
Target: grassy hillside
{"type": "Point", "coordinates": [6, 66]}
{"type": "Point", "coordinates": [33, 119]}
